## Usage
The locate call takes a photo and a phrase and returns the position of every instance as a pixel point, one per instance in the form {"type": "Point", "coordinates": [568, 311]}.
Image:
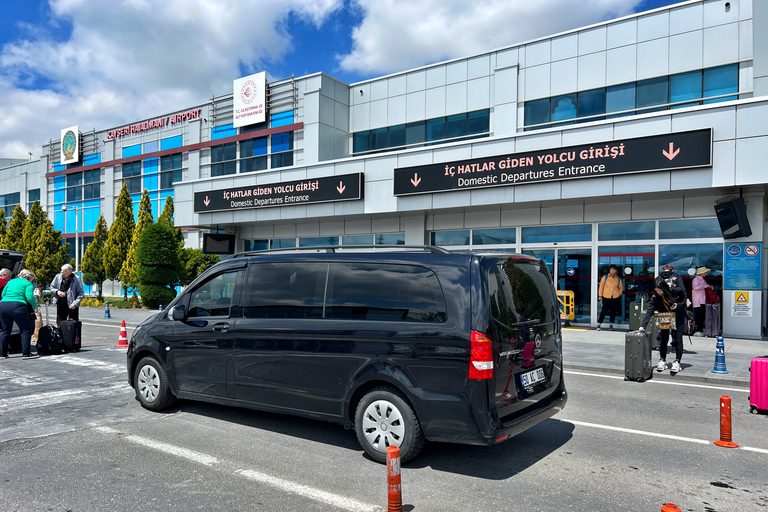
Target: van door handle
{"type": "Point", "coordinates": [222, 327]}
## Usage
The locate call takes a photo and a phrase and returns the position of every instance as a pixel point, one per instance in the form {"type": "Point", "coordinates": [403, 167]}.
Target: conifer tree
{"type": "Point", "coordinates": [93, 259]}
{"type": "Point", "coordinates": [120, 235]}
{"type": "Point", "coordinates": [128, 271]}
{"type": "Point", "coordinates": [167, 216]}
{"type": "Point", "coordinates": [48, 254]}
{"type": "Point", "coordinates": [14, 236]}
{"type": "Point", "coordinates": [2, 228]}
{"type": "Point", "coordinates": [36, 218]}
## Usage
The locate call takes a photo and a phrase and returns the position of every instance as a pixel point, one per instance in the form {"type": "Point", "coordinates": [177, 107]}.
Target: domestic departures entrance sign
{"type": "Point", "coordinates": [347, 187]}
{"type": "Point", "coordinates": [660, 152]}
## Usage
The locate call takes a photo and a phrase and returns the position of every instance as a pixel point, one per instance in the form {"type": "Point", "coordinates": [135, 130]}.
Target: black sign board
{"type": "Point", "coordinates": [347, 187]}
{"type": "Point", "coordinates": [660, 152]}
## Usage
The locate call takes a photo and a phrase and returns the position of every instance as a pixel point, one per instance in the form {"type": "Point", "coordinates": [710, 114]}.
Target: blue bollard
{"type": "Point", "coordinates": [161, 307]}
{"type": "Point", "coordinates": [106, 310]}
{"type": "Point", "coordinates": [720, 357]}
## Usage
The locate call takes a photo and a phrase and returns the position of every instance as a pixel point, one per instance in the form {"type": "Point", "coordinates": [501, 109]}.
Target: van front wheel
{"type": "Point", "coordinates": [151, 384]}
{"type": "Point", "coordinates": [384, 418]}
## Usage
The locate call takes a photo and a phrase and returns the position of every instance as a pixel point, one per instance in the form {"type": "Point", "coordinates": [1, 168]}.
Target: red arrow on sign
{"type": "Point", "coordinates": [672, 151]}
{"type": "Point", "coordinates": [415, 180]}
{"type": "Point", "coordinates": [207, 201]}
{"type": "Point", "coordinates": [341, 188]}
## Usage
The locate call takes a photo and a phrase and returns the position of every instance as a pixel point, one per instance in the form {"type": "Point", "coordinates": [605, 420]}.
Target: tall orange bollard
{"type": "Point", "coordinates": [725, 424]}
{"type": "Point", "coordinates": [670, 507]}
{"type": "Point", "coordinates": [123, 341]}
{"type": "Point", "coordinates": [395, 496]}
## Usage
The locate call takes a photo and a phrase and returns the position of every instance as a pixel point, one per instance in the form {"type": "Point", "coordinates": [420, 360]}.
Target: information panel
{"type": "Point", "coordinates": [347, 187]}
{"type": "Point", "coordinates": [660, 152]}
{"type": "Point", "coordinates": [743, 267]}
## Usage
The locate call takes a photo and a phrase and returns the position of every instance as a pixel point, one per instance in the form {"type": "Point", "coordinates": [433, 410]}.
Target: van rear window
{"type": "Point", "coordinates": [521, 292]}
{"type": "Point", "coordinates": [396, 293]}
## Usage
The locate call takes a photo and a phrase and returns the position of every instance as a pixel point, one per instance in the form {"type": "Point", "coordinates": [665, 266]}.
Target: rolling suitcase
{"type": "Point", "coordinates": [637, 356]}
{"type": "Point", "coordinates": [712, 320]}
{"type": "Point", "coordinates": [71, 330]}
{"type": "Point", "coordinates": [48, 338]}
{"type": "Point", "coordinates": [758, 385]}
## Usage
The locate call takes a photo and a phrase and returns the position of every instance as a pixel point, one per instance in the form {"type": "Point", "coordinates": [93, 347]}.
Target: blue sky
{"type": "Point", "coordinates": [102, 63]}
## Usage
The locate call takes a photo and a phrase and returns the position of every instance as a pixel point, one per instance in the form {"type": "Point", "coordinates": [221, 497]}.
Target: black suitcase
{"type": "Point", "coordinates": [49, 340]}
{"type": "Point", "coordinates": [71, 330]}
{"type": "Point", "coordinates": [637, 356]}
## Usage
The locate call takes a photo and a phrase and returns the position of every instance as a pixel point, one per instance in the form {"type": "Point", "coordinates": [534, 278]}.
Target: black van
{"type": "Point", "coordinates": [406, 346]}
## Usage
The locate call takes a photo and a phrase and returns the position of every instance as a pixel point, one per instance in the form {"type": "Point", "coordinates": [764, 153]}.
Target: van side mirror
{"type": "Point", "coordinates": [178, 313]}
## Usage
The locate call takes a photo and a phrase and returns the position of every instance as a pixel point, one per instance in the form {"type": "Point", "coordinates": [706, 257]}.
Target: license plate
{"type": "Point", "coordinates": [531, 378]}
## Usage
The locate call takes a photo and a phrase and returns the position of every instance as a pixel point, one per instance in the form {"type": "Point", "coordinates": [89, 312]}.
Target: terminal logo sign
{"type": "Point", "coordinates": [656, 153]}
{"type": "Point", "coordinates": [348, 187]}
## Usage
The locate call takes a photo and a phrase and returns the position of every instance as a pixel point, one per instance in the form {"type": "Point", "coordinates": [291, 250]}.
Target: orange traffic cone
{"type": "Point", "coordinates": [123, 341]}
{"type": "Point", "coordinates": [670, 507]}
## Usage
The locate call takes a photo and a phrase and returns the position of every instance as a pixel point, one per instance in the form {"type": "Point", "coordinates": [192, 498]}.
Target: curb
{"type": "Point", "coordinates": [665, 376]}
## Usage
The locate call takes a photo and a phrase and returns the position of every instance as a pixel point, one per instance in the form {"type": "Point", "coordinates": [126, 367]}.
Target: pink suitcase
{"type": "Point", "coordinates": [758, 385]}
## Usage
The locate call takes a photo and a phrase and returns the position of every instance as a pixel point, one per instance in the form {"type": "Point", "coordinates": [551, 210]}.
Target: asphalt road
{"type": "Point", "coordinates": [72, 437]}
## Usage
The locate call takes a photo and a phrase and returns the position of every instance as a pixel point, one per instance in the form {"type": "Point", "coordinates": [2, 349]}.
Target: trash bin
{"type": "Point", "coordinates": [636, 313]}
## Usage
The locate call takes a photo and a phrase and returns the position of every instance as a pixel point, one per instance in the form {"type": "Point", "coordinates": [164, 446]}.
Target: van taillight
{"type": "Point", "coordinates": [481, 357]}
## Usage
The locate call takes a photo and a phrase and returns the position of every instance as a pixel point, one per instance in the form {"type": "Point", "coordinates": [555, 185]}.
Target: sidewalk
{"type": "Point", "coordinates": [585, 350]}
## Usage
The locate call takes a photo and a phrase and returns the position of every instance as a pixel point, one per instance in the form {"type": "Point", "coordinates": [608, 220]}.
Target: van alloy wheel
{"type": "Point", "coordinates": [151, 384]}
{"type": "Point", "coordinates": [384, 417]}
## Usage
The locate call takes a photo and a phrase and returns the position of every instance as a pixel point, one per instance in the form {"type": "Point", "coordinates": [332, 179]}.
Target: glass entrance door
{"type": "Point", "coordinates": [571, 270]}
{"type": "Point", "coordinates": [636, 268]}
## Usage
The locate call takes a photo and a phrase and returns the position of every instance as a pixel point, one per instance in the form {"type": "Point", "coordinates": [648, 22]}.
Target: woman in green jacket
{"type": "Point", "coordinates": [17, 295]}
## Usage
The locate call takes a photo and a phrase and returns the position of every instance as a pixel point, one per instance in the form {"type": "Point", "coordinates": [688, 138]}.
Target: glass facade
{"type": "Point", "coordinates": [438, 130]}
{"type": "Point", "coordinates": [710, 85]}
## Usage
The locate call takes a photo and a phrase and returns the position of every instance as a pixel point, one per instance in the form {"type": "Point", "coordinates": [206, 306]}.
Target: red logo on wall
{"type": "Point", "coordinates": [248, 92]}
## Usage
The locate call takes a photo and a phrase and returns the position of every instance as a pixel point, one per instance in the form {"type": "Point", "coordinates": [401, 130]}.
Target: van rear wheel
{"type": "Point", "coordinates": [151, 384]}
{"type": "Point", "coordinates": [384, 418]}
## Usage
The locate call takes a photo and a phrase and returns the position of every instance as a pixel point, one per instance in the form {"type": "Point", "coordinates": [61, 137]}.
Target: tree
{"type": "Point", "coordinates": [193, 263]}
{"type": "Point", "coordinates": [14, 236]}
{"type": "Point", "coordinates": [48, 253]}
{"type": "Point", "coordinates": [128, 271]}
{"type": "Point", "coordinates": [2, 228]}
{"type": "Point", "coordinates": [34, 221]}
{"type": "Point", "coordinates": [158, 265]}
{"type": "Point", "coordinates": [120, 236]}
{"type": "Point", "coordinates": [167, 216]}
{"type": "Point", "coordinates": [93, 259]}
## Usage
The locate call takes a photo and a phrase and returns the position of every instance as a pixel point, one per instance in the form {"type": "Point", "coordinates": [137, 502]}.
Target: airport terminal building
{"type": "Point", "coordinates": [608, 144]}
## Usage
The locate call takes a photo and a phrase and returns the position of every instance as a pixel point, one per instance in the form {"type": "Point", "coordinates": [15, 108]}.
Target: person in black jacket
{"type": "Point", "coordinates": [669, 296]}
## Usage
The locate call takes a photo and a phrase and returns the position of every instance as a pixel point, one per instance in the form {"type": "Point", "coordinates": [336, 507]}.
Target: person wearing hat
{"type": "Point", "coordinates": [699, 287]}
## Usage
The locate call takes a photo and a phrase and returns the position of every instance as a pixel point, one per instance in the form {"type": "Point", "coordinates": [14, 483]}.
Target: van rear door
{"type": "Point", "coordinates": [524, 326]}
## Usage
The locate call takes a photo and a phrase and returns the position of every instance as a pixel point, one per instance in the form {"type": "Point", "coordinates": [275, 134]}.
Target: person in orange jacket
{"type": "Point", "coordinates": [609, 294]}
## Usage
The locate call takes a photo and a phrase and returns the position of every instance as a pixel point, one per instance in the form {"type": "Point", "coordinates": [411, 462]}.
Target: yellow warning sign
{"type": "Point", "coordinates": [741, 304]}
{"type": "Point", "coordinates": [742, 298]}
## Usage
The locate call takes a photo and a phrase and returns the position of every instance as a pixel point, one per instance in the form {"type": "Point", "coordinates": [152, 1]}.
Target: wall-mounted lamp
{"type": "Point", "coordinates": [205, 119]}
{"type": "Point", "coordinates": [727, 6]}
{"type": "Point", "coordinates": [361, 92]}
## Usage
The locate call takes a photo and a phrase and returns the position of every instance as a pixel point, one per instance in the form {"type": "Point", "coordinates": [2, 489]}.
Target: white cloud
{"type": "Point", "coordinates": [131, 59]}
{"type": "Point", "coordinates": [397, 35]}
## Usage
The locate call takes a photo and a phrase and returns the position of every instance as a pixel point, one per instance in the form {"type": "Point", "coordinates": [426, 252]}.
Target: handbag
{"type": "Point", "coordinates": [712, 297]}
{"type": "Point", "coordinates": [665, 320]}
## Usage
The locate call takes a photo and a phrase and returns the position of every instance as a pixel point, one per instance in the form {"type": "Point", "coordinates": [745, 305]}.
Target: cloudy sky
{"type": "Point", "coordinates": [101, 63]}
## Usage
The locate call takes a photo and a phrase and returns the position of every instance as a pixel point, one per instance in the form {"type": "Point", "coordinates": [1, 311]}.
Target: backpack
{"type": "Point", "coordinates": [689, 325]}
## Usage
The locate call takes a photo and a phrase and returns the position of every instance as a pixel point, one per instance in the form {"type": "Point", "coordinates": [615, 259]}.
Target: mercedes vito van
{"type": "Point", "coordinates": [405, 346]}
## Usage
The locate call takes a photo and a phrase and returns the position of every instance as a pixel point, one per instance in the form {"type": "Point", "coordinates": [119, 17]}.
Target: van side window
{"type": "Point", "coordinates": [520, 292]}
{"type": "Point", "coordinates": [360, 291]}
{"type": "Point", "coordinates": [213, 297]}
{"type": "Point", "coordinates": [285, 290]}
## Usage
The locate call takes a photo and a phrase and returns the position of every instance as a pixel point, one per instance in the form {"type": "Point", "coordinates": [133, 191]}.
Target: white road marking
{"type": "Point", "coordinates": [16, 377]}
{"type": "Point", "coordinates": [305, 491]}
{"type": "Point", "coordinates": [651, 381]}
{"type": "Point", "coordinates": [654, 434]}
{"type": "Point", "coordinates": [54, 397]}
{"type": "Point", "coordinates": [170, 449]}
{"type": "Point", "coordinates": [92, 363]}
{"type": "Point", "coordinates": [309, 492]}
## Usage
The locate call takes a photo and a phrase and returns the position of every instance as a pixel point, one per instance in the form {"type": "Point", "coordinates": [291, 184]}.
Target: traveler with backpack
{"type": "Point", "coordinates": [19, 298]}
{"type": "Point", "coordinates": [669, 296]}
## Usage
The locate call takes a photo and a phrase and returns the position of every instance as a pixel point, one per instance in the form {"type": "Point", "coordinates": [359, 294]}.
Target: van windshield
{"type": "Point", "coordinates": [521, 293]}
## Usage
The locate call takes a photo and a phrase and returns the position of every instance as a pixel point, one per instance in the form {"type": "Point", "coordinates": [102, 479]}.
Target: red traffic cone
{"type": "Point", "coordinates": [670, 507]}
{"type": "Point", "coordinates": [123, 341]}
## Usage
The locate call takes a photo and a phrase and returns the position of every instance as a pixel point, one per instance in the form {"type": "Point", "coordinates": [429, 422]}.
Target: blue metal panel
{"type": "Point", "coordinates": [171, 142]}
{"type": "Point", "coordinates": [59, 196]}
{"type": "Point", "coordinates": [150, 165]}
{"type": "Point", "coordinates": [58, 220]}
{"type": "Point", "coordinates": [60, 181]}
{"type": "Point", "coordinates": [150, 182]}
{"type": "Point", "coordinates": [281, 119]}
{"type": "Point", "coordinates": [92, 159]}
{"type": "Point", "coordinates": [150, 147]}
{"type": "Point", "coordinates": [132, 151]}
{"type": "Point", "coordinates": [58, 167]}
{"type": "Point", "coordinates": [91, 218]}
{"type": "Point", "coordinates": [221, 132]}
